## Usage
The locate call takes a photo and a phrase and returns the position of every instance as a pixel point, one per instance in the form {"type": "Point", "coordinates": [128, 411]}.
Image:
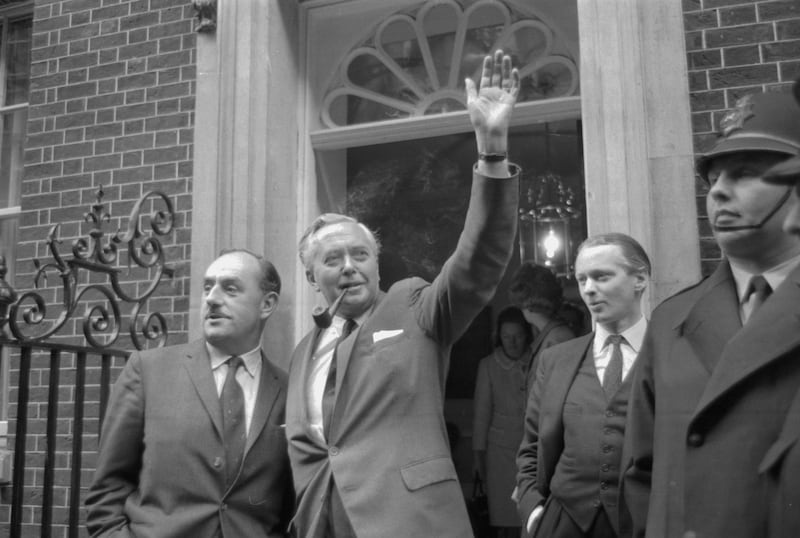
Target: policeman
{"type": "Point", "coordinates": [719, 368]}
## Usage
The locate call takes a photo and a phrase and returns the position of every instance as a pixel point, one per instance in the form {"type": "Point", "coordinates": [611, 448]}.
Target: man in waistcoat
{"type": "Point", "coordinates": [569, 459]}
{"type": "Point", "coordinates": [720, 364]}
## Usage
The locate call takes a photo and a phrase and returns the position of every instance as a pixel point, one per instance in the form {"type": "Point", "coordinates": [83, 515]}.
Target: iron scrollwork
{"type": "Point", "coordinates": [93, 256]}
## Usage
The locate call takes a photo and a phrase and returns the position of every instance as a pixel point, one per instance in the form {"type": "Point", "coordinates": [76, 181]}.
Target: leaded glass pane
{"type": "Point", "coordinates": [18, 61]}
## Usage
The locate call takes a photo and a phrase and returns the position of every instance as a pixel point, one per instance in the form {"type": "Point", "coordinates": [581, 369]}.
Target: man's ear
{"type": "Point", "coordinates": [268, 304]}
{"type": "Point", "coordinates": [311, 279]}
{"type": "Point", "coordinates": [641, 282]}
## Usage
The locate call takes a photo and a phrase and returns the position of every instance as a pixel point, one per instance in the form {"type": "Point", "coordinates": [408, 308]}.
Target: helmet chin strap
{"type": "Point", "coordinates": [763, 221]}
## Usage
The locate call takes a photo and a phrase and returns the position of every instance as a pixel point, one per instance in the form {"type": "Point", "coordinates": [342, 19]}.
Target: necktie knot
{"type": "Point", "coordinates": [234, 363]}
{"type": "Point", "coordinates": [615, 340]}
{"type": "Point", "coordinates": [758, 287]}
{"type": "Point", "coordinates": [349, 326]}
{"type": "Point", "coordinates": [758, 290]}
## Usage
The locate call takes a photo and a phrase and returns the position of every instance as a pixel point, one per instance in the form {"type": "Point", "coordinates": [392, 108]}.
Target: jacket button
{"type": "Point", "coordinates": [596, 503]}
{"type": "Point", "coordinates": [609, 413]}
{"type": "Point", "coordinates": [605, 467]}
{"type": "Point", "coordinates": [603, 485]}
{"type": "Point", "coordinates": [223, 507]}
{"type": "Point", "coordinates": [217, 462]}
{"type": "Point", "coordinates": [333, 451]}
{"type": "Point", "coordinates": [695, 439]}
{"type": "Point", "coordinates": [606, 449]}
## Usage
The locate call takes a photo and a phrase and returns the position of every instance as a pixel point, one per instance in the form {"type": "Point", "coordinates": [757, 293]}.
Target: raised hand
{"type": "Point", "coordinates": [490, 106]}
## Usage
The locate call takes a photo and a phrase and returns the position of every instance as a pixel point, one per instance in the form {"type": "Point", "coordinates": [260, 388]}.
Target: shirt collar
{"type": "Point", "coordinates": [338, 321]}
{"type": "Point", "coordinates": [774, 276]}
{"type": "Point", "coordinates": [634, 335]}
{"type": "Point", "coordinates": [251, 359]}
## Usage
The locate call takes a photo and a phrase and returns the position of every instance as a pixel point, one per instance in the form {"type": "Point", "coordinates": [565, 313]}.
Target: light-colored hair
{"type": "Point", "coordinates": [308, 241]}
{"type": "Point", "coordinates": [636, 260]}
{"type": "Point", "coordinates": [269, 279]}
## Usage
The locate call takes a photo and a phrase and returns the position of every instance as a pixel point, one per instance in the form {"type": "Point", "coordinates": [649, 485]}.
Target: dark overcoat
{"type": "Point", "coordinates": [708, 412]}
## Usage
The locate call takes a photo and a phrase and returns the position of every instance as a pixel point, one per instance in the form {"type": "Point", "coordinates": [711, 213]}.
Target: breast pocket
{"type": "Point", "coordinates": [424, 473]}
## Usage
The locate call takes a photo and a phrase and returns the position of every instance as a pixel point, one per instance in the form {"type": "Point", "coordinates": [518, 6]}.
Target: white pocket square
{"type": "Point", "coordinates": [377, 336]}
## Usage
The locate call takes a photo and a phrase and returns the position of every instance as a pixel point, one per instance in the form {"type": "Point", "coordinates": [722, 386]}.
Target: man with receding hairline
{"type": "Point", "coordinates": [367, 437]}
{"type": "Point", "coordinates": [192, 442]}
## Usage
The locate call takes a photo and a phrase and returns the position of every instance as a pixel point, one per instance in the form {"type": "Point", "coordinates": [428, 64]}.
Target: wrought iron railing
{"type": "Point", "coordinates": [100, 306]}
{"type": "Point", "coordinates": [98, 255]}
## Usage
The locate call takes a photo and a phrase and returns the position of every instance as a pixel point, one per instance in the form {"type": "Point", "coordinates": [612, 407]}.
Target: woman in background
{"type": "Point", "coordinates": [537, 292]}
{"type": "Point", "coordinates": [500, 399]}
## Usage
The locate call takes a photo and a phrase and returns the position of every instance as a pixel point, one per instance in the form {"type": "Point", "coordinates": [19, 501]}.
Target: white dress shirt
{"type": "Point", "coordinates": [318, 375]}
{"type": "Point", "coordinates": [630, 347]}
{"type": "Point", "coordinates": [247, 377]}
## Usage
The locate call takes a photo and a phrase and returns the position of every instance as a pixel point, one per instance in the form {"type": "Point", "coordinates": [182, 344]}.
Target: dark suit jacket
{"type": "Point", "coordinates": [159, 469]}
{"type": "Point", "coordinates": [543, 442]}
{"type": "Point", "coordinates": [388, 449]}
{"type": "Point", "coordinates": [709, 400]}
{"type": "Point", "coordinates": [781, 468]}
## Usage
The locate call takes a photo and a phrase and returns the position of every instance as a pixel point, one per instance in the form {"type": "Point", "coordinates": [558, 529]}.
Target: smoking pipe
{"type": "Point", "coordinates": [323, 317]}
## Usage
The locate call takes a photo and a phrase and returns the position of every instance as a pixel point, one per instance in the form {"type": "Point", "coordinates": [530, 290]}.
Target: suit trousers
{"type": "Point", "coordinates": [339, 525]}
{"type": "Point", "coordinates": [555, 522]}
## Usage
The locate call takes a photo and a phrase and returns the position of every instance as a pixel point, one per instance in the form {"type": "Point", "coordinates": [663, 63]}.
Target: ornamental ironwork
{"type": "Point", "coordinates": [101, 304]}
{"type": "Point", "coordinates": [414, 62]}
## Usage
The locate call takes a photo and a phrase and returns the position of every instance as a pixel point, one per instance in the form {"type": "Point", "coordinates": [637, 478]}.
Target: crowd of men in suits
{"type": "Point", "coordinates": [685, 426]}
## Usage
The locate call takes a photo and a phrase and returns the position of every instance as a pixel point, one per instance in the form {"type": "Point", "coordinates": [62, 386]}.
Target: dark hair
{"type": "Point", "coordinates": [636, 260]}
{"type": "Point", "coordinates": [269, 279]}
{"type": "Point", "coordinates": [512, 314]}
{"type": "Point", "coordinates": [535, 287]}
{"type": "Point", "coordinates": [307, 240]}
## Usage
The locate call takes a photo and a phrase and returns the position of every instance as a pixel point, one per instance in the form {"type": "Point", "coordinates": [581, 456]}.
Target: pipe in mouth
{"type": "Point", "coordinates": [323, 317]}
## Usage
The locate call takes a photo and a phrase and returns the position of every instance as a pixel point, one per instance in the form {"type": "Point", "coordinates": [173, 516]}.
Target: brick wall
{"type": "Point", "coordinates": [111, 105]}
{"type": "Point", "coordinates": [735, 47]}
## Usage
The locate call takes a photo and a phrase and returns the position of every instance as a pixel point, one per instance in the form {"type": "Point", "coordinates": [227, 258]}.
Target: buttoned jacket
{"type": "Point", "coordinates": [160, 468]}
{"type": "Point", "coordinates": [388, 448]}
{"type": "Point", "coordinates": [709, 404]}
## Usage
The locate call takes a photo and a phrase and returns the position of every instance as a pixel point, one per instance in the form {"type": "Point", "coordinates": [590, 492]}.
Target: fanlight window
{"type": "Point", "coordinates": [415, 63]}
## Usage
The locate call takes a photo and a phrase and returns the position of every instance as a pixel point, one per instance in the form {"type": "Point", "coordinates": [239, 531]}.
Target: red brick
{"type": "Point", "coordinates": [782, 9]}
{"type": "Point", "coordinates": [754, 33]}
{"type": "Point", "coordinates": [700, 20]}
{"type": "Point", "coordinates": [139, 20]}
{"type": "Point", "coordinates": [746, 55]}
{"type": "Point", "coordinates": [77, 90]}
{"type": "Point", "coordinates": [134, 142]}
{"type": "Point", "coordinates": [737, 15]}
{"type": "Point", "coordinates": [703, 59]}
{"type": "Point", "coordinates": [784, 50]}
{"type": "Point", "coordinates": [741, 76]}
{"type": "Point", "coordinates": [135, 111]}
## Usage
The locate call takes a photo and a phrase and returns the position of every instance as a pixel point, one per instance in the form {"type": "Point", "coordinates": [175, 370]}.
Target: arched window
{"type": "Point", "coordinates": [390, 138]}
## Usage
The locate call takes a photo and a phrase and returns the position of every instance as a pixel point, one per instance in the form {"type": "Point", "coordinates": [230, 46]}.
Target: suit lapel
{"type": "Point", "coordinates": [713, 319]}
{"type": "Point", "coordinates": [769, 334]}
{"type": "Point", "coordinates": [198, 364]}
{"type": "Point", "coordinates": [562, 376]}
{"type": "Point", "coordinates": [343, 353]}
{"type": "Point", "coordinates": [268, 391]}
{"type": "Point", "coordinates": [299, 382]}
